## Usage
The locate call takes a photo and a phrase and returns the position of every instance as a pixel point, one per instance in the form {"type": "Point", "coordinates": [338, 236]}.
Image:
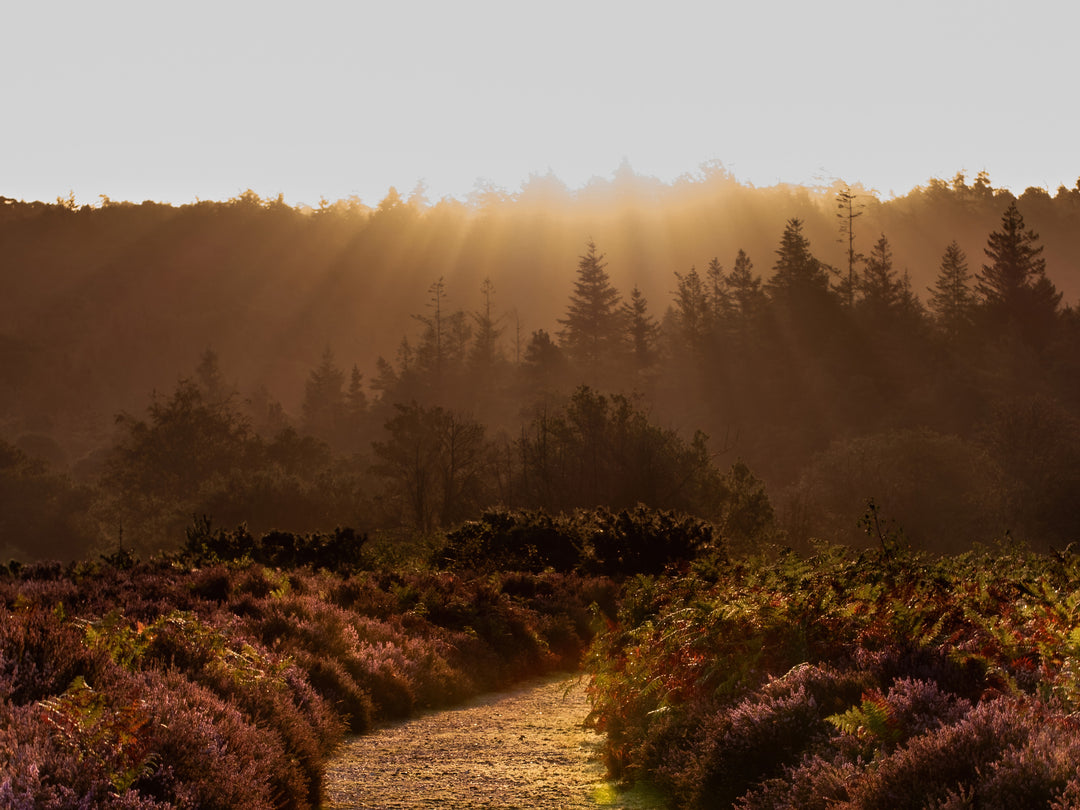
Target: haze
{"type": "Point", "coordinates": [330, 99]}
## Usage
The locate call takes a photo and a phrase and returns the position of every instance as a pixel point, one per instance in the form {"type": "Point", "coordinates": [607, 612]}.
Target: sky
{"type": "Point", "coordinates": [174, 102]}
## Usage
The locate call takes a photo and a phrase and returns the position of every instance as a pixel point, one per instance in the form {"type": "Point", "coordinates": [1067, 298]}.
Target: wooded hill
{"type": "Point", "coordinates": [928, 361]}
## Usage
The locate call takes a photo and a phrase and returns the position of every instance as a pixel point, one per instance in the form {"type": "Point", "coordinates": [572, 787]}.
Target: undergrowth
{"type": "Point", "coordinates": [886, 679]}
{"type": "Point", "coordinates": [158, 684]}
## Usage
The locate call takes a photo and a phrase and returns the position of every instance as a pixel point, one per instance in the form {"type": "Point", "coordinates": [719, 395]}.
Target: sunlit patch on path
{"type": "Point", "coordinates": [522, 749]}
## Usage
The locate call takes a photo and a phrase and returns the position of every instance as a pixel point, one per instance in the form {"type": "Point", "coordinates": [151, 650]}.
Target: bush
{"type": "Point", "coordinates": [597, 541]}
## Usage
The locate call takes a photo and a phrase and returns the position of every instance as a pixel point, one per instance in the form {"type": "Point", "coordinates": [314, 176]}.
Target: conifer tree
{"type": "Point", "coordinates": [433, 344]}
{"type": "Point", "coordinates": [798, 273]}
{"type": "Point", "coordinates": [593, 320]}
{"type": "Point", "coordinates": [951, 299]}
{"type": "Point", "coordinates": [847, 212]}
{"type": "Point", "coordinates": [1013, 287]}
{"type": "Point", "coordinates": [324, 398]}
{"type": "Point", "coordinates": [485, 348]}
{"type": "Point", "coordinates": [879, 288]}
{"type": "Point", "coordinates": [746, 292]}
{"type": "Point", "coordinates": [717, 291]}
{"type": "Point", "coordinates": [642, 330]}
{"type": "Point", "coordinates": [355, 398]}
{"type": "Point", "coordinates": [692, 313]}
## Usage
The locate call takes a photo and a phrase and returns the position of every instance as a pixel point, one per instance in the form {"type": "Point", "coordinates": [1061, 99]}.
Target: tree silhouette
{"type": "Point", "coordinates": [798, 275]}
{"type": "Point", "coordinates": [718, 291]}
{"type": "Point", "coordinates": [324, 399]}
{"type": "Point", "coordinates": [847, 212]}
{"type": "Point", "coordinates": [951, 299]}
{"type": "Point", "coordinates": [592, 324]}
{"type": "Point", "coordinates": [433, 462]}
{"type": "Point", "coordinates": [485, 347]}
{"type": "Point", "coordinates": [745, 287]}
{"type": "Point", "coordinates": [880, 290]}
{"type": "Point", "coordinates": [642, 331]}
{"type": "Point", "coordinates": [1013, 287]}
{"type": "Point", "coordinates": [692, 312]}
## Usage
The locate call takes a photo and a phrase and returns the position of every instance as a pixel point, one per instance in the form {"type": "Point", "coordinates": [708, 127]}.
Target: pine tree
{"type": "Point", "coordinates": [431, 353]}
{"type": "Point", "coordinates": [351, 434]}
{"type": "Point", "coordinates": [324, 399]}
{"type": "Point", "coordinates": [718, 291]}
{"type": "Point", "coordinates": [485, 348]}
{"type": "Point", "coordinates": [642, 331]}
{"type": "Point", "coordinates": [798, 273]}
{"type": "Point", "coordinates": [1014, 288]}
{"type": "Point", "coordinates": [847, 213]}
{"type": "Point", "coordinates": [593, 320]}
{"type": "Point", "coordinates": [879, 288]}
{"type": "Point", "coordinates": [746, 292]}
{"type": "Point", "coordinates": [1016, 261]}
{"type": "Point", "coordinates": [355, 397]}
{"type": "Point", "coordinates": [692, 313]}
{"type": "Point", "coordinates": [951, 299]}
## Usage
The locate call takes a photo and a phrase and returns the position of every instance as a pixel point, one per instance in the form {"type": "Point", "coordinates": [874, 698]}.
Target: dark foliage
{"type": "Point", "coordinates": [599, 541]}
{"type": "Point", "coordinates": [339, 551]}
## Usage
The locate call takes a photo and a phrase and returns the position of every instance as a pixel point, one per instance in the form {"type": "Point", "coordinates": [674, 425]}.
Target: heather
{"type": "Point", "coordinates": [203, 681]}
{"type": "Point", "coordinates": [885, 678]}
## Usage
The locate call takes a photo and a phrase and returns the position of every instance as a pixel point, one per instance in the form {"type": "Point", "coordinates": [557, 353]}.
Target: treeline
{"type": "Point", "coordinates": [196, 459]}
{"type": "Point", "coordinates": [952, 402]}
{"type": "Point", "coordinates": [957, 413]}
{"type": "Point", "coordinates": [104, 303]}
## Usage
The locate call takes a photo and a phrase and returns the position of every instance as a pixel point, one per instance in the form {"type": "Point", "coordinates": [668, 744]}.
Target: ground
{"type": "Point", "coordinates": [524, 749]}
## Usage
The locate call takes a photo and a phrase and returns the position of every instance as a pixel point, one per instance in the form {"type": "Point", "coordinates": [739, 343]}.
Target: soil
{"type": "Point", "coordinates": [527, 748]}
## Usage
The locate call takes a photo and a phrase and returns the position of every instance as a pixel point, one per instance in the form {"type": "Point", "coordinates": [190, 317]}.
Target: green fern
{"type": "Point", "coordinates": [871, 719]}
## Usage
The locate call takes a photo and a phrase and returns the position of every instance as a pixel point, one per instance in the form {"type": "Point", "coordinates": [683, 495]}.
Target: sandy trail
{"type": "Point", "coordinates": [521, 749]}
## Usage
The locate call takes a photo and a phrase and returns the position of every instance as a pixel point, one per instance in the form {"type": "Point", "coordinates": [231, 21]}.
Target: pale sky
{"type": "Point", "coordinates": [141, 99]}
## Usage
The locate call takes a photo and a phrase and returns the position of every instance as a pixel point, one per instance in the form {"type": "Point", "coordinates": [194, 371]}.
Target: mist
{"type": "Point", "coordinates": [303, 333]}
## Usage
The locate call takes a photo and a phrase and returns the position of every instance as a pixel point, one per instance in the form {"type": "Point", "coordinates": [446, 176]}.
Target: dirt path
{"type": "Point", "coordinates": [521, 749]}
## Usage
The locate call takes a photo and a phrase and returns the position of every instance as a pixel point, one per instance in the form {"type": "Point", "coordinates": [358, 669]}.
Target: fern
{"type": "Point", "coordinates": [872, 718]}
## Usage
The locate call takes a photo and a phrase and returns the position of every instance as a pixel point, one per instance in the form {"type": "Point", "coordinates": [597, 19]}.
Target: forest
{"type": "Point", "coordinates": [804, 516]}
{"type": "Point", "coordinates": [699, 346]}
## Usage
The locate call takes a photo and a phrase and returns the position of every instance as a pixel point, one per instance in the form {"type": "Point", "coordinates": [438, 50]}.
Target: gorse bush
{"type": "Point", "coordinates": [155, 685]}
{"type": "Point", "coordinates": [340, 550]}
{"type": "Point", "coordinates": [597, 541]}
{"type": "Point", "coordinates": [883, 679]}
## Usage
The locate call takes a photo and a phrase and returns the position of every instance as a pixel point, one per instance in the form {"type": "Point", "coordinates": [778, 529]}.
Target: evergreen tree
{"type": "Point", "coordinates": [544, 361]}
{"type": "Point", "coordinates": [746, 292]}
{"type": "Point", "coordinates": [355, 398]}
{"type": "Point", "coordinates": [951, 299]}
{"type": "Point", "coordinates": [908, 305]}
{"type": "Point", "coordinates": [847, 213]}
{"type": "Point", "coordinates": [717, 291]}
{"type": "Point", "coordinates": [593, 320]}
{"type": "Point", "coordinates": [324, 399]}
{"type": "Point", "coordinates": [355, 401]}
{"type": "Point", "coordinates": [386, 379]}
{"type": "Point", "coordinates": [799, 275]}
{"type": "Point", "coordinates": [458, 338]}
{"type": "Point", "coordinates": [692, 313]}
{"type": "Point", "coordinates": [431, 354]}
{"type": "Point", "coordinates": [1013, 288]}
{"type": "Point", "coordinates": [642, 331]}
{"type": "Point", "coordinates": [880, 290]}
{"type": "Point", "coordinates": [485, 348]}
